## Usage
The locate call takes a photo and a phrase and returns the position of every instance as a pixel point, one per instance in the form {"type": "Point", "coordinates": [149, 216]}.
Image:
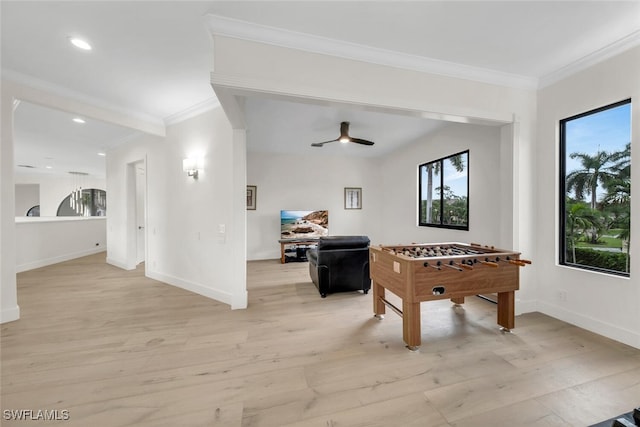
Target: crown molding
{"type": "Point", "coordinates": [64, 92]}
{"type": "Point", "coordinates": [194, 110]}
{"type": "Point", "coordinates": [242, 86]}
{"type": "Point", "coordinates": [229, 27]}
{"type": "Point", "coordinates": [622, 45]}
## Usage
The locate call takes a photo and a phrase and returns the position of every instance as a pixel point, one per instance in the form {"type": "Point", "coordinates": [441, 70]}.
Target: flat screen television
{"type": "Point", "coordinates": [303, 224]}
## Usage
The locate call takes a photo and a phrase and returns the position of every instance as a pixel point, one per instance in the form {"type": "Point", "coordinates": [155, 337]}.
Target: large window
{"type": "Point", "coordinates": [444, 192]}
{"type": "Point", "coordinates": [595, 189]}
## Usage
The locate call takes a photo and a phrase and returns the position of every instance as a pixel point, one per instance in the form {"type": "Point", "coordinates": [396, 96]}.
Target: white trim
{"type": "Point", "coordinates": [197, 288]}
{"type": "Point", "coordinates": [120, 264]}
{"type": "Point", "coordinates": [10, 314]}
{"type": "Point", "coordinates": [525, 306]}
{"type": "Point", "coordinates": [247, 86]}
{"type": "Point", "coordinates": [35, 83]}
{"type": "Point", "coordinates": [194, 110]}
{"type": "Point", "coordinates": [229, 27]}
{"type": "Point", "coordinates": [608, 330]}
{"type": "Point", "coordinates": [592, 59]}
{"type": "Point", "coordinates": [55, 260]}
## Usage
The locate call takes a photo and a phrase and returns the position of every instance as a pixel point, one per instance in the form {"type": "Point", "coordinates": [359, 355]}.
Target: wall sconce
{"type": "Point", "coordinates": [192, 165]}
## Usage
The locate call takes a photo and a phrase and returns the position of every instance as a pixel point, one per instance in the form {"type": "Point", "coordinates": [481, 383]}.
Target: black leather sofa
{"type": "Point", "coordinates": [340, 264]}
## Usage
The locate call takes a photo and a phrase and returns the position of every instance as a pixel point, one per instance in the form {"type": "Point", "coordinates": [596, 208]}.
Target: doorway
{"type": "Point", "coordinates": [136, 214]}
{"type": "Point", "coordinates": [140, 212]}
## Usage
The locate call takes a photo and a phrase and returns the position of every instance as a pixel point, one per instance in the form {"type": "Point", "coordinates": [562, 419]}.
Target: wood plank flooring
{"type": "Point", "coordinates": [114, 348]}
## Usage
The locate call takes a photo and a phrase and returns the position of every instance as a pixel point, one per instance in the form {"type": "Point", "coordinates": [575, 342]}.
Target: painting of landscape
{"type": "Point", "coordinates": [303, 224]}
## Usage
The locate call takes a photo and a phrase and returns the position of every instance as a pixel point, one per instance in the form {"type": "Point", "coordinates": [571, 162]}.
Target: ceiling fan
{"type": "Point", "coordinates": [344, 137]}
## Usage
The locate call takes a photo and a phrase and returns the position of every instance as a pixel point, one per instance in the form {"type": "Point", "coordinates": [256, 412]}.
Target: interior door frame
{"type": "Point", "coordinates": [131, 213]}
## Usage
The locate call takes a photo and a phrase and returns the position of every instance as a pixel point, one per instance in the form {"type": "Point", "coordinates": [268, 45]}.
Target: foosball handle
{"type": "Point", "coordinates": [489, 263]}
{"type": "Point", "coordinates": [517, 262]}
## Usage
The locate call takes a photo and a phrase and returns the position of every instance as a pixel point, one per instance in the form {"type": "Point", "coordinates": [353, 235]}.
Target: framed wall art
{"type": "Point", "coordinates": [352, 198]}
{"type": "Point", "coordinates": [252, 190]}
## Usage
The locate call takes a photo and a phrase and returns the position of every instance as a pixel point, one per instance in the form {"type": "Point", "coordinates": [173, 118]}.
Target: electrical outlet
{"type": "Point", "coordinates": [562, 295]}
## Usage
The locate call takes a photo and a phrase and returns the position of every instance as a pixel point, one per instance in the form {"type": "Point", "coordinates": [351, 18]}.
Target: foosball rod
{"type": "Point", "coordinates": [481, 246]}
{"type": "Point", "coordinates": [487, 262]}
{"type": "Point", "coordinates": [463, 265]}
{"type": "Point", "coordinates": [518, 262]}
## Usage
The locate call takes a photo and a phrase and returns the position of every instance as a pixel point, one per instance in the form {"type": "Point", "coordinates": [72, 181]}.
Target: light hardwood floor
{"type": "Point", "coordinates": [117, 349]}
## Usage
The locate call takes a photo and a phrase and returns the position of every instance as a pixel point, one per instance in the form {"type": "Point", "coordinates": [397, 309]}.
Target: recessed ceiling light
{"type": "Point", "coordinates": [102, 154]}
{"type": "Point", "coordinates": [78, 120]}
{"type": "Point", "coordinates": [79, 43]}
{"type": "Point", "coordinates": [49, 167]}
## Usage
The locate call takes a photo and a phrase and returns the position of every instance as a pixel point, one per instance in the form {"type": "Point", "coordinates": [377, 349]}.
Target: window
{"type": "Point", "coordinates": [91, 202]}
{"type": "Point", "coordinates": [34, 211]}
{"type": "Point", "coordinates": [444, 192]}
{"type": "Point", "coordinates": [595, 189]}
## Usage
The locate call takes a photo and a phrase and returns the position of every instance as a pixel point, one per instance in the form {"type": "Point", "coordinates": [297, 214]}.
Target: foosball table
{"type": "Point", "coordinates": [434, 271]}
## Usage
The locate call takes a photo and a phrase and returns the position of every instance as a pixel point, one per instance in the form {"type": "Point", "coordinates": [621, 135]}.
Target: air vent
{"type": "Point", "coordinates": [26, 166]}
{"type": "Point", "coordinates": [78, 173]}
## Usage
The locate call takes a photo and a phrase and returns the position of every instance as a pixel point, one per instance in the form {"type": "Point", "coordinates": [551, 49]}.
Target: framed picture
{"type": "Point", "coordinates": [352, 198]}
{"type": "Point", "coordinates": [251, 197]}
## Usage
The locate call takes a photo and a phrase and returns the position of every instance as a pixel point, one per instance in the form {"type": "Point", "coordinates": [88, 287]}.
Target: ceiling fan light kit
{"type": "Point", "coordinates": [344, 137]}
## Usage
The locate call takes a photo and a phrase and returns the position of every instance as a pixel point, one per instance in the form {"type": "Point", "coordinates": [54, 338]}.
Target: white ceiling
{"type": "Point", "coordinates": [288, 127]}
{"type": "Point", "coordinates": [152, 59]}
{"type": "Point", "coordinates": [49, 141]}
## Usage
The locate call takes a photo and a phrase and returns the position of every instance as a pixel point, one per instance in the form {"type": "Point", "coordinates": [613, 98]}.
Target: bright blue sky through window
{"type": "Point", "coordinates": [456, 181]}
{"type": "Point", "coordinates": [608, 130]}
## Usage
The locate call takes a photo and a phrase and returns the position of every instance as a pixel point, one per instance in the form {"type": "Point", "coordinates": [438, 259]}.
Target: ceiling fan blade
{"type": "Point", "coordinates": [320, 144]}
{"type": "Point", "coordinates": [361, 141]}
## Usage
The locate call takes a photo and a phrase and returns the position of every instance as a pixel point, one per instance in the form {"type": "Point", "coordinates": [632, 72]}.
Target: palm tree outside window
{"type": "Point", "coordinates": [595, 189]}
{"type": "Point", "coordinates": [444, 192]}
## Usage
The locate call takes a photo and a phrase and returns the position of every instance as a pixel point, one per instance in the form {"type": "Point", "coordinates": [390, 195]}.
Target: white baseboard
{"type": "Point", "coordinates": [525, 306]}
{"type": "Point", "coordinates": [599, 327]}
{"type": "Point", "coordinates": [9, 314]}
{"type": "Point", "coordinates": [119, 264]}
{"type": "Point", "coordinates": [54, 260]}
{"type": "Point", "coordinates": [197, 288]}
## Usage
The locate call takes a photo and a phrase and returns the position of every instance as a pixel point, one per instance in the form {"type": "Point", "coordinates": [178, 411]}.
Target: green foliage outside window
{"type": "Point", "coordinates": [596, 189]}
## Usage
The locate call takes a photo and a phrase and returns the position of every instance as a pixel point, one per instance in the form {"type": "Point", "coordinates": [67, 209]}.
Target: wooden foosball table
{"type": "Point", "coordinates": [434, 271]}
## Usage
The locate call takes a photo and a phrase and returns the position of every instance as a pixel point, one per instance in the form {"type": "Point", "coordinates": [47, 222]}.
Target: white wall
{"type": "Point", "coordinates": [55, 187]}
{"type": "Point", "coordinates": [390, 188]}
{"type": "Point", "coordinates": [27, 196]}
{"type": "Point", "coordinates": [606, 304]}
{"type": "Point", "coordinates": [9, 309]}
{"type": "Point", "coordinates": [296, 182]}
{"type": "Point", "coordinates": [184, 215]}
{"type": "Point", "coordinates": [249, 68]}
{"type": "Point", "coordinates": [45, 241]}
{"type": "Point", "coordinates": [400, 187]}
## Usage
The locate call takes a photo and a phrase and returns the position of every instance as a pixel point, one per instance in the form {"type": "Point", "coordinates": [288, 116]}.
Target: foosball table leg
{"type": "Point", "coordinates": [458, 301]}
{"type": "Point", "coordinates": [379, 308]}
{"type": "Point", "coordinates": [506, 310]}
{"type": "Point", "coordinates": [411, 332]}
